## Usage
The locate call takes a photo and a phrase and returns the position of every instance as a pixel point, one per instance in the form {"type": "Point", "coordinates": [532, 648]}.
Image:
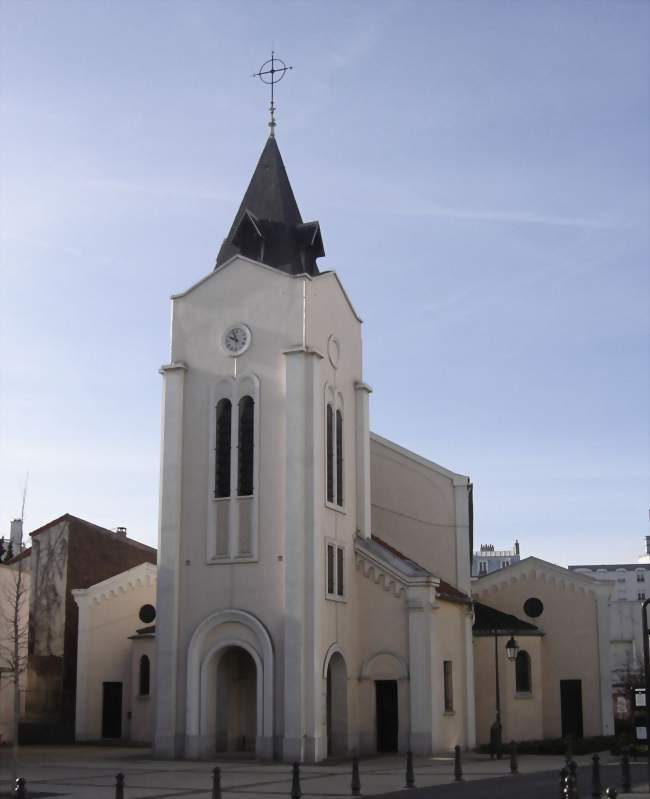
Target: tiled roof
{"type": "Point", "coordinates": [69, 517]}
{"type": "Point", "coordinates": [445, 590]}
{"type": "Point", "coordinates": [487, 620]}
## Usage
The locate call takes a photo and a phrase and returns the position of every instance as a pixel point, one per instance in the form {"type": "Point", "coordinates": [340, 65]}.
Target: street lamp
{"type": "Point", "coordinates": [646, 671]}
{"type": "Point", "coordinates": [512, 647]}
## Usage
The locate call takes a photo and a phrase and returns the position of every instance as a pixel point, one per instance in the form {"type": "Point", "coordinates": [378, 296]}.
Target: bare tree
{"type": "Point", "coordinates": [14, 615]}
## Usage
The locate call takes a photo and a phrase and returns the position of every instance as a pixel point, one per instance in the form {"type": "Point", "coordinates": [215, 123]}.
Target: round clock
{"type": "Point", "coordinates": [236, 339]}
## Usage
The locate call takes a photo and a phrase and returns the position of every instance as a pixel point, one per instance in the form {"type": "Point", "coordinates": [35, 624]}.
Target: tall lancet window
{"type": "Point", "coordinates": [339, 458]}
{"type": "Point", "coordinates": [222, 449]}
{"type": "Point", "coordinates": [330, 453]}
{"type": "Point", "coordinates": [246, 446]}
{"type": "Point", "coordinates": [145, 676]}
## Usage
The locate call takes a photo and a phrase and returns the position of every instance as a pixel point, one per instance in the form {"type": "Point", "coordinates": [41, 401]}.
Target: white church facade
{"type": "Point", "coordinates": [313, 591]}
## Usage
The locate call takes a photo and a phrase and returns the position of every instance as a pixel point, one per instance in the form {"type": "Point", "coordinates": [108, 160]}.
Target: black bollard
{"type": "Point", "coordinates": [626, 777]}
{"type": "Point", "coordinates": [410, 775]}
{"type": "Point", "coordinates": [611, 793]}
{"type": "Point", "coordinates": [573, 772]}
{"type": "Point", "coordinates": [216, 783]}
{"type": "Point", "coordinates": [119, 786]}
{"type": "Point", "coordinates": [296, 792]}
{"type": "Point", "coordinates": [571, 790]}
{"type": "Point", "coordinates": [514, 765]}
{"type": "Point", "coordinates": [355, 784]}
{"type": "Point", "coordinates": [568, 751]}
{"type": "Point", "coordinates": [20, 790]}
{"type": "Point", "coordinates": [458, 766]}
{"type": "Point", "coordinates": [596, 789]}
{"type": "Point", "coordinates": [564, 773]}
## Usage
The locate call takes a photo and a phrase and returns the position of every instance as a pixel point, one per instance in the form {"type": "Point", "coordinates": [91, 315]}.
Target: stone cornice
{"type": "Point", "coordinates": [141, 576]}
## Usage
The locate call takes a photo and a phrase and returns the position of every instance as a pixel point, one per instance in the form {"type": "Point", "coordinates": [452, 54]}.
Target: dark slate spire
{"type": "Point", "coordinates": [268, 226]}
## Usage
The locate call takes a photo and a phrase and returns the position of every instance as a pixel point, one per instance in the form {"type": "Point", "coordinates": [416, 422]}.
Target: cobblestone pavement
{"type": "Point", "coordinates": [87, 772]}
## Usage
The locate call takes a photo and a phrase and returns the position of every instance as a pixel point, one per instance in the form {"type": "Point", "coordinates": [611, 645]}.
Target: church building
{"type": "Point", "coordinates": [313, 588]}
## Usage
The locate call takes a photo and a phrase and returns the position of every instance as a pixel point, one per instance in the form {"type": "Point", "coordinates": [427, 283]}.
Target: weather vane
{"type": "Point", "coordinates": [272, 72]}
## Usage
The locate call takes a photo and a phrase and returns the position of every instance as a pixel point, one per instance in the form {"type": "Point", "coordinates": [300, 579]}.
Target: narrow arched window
{"type": "Point", "coordinates": [522, 673]}
{"type": "Point", "coordinates": [330, 453]}
{"type": "Point", "coordinates": [246, 446]}
{"type": "Point", "coordinates": [339, 458]}
{"type": "Point", "coordinates": [145, 676]}
{"type": "Point", "coordinates": [222, 449]}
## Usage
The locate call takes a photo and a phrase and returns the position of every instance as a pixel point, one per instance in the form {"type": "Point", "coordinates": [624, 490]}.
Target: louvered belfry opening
{"type": "Point", "coordinates": [246, 446]}
{"type": "Point", "coordinates": [222, 449]}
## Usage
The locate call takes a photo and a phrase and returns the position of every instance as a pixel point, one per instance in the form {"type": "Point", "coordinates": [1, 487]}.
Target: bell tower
{"type": "Point", "coordinates": [264, 487]}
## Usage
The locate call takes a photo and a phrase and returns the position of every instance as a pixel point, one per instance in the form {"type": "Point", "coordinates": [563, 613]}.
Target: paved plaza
{"type": "Point", "coordinates": [89, 772]}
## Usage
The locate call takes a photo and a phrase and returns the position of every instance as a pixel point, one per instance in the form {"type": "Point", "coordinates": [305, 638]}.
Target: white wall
{"type": "Point", "coordinates": [108, 617]}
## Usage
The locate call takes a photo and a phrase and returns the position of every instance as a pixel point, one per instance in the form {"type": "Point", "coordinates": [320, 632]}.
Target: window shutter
{"type": "Point", "coordinates": [339, 458]}
{"type": "Point", "coordinates": [330, 569]}
{"type": "Point", "coordinates": [339, 571]}
{"type": "Point", "coordinates": [330, 453]}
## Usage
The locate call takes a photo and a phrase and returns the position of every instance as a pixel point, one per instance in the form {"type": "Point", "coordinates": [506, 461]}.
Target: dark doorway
{"type": "Point", "coordinates": [571, 702]}
{"type": "Point", "coordinates": [112, 710]}
{"type": "Point", "coordinates": [387, 718]}
{"type": "Point", "coordinates": [337, 706]}
{"type": "Point", "coordinates": [236, 704]}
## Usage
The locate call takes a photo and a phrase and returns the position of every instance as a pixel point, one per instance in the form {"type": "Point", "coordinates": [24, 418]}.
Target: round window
{"type": "Point", "coordinates": [147, 613]}
{"type": "Point", "coordinates": [533, 607]}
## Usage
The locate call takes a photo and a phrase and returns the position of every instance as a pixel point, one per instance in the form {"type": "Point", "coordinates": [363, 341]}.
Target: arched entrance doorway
{"type": "Point", "coordinates": [337, 706]}
{"type": "Point", "coordinates": [236, 701]}
{"type": "Point", "coordinates": [229, 686]}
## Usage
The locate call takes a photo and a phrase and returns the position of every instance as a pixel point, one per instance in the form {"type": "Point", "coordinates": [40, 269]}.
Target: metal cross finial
{"type": "Point", "coordinates": [271, 72]}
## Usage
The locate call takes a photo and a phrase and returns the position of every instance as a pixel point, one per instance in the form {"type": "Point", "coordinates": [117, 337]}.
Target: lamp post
{"type": "Point", "coordinates": [512, 647]}
{"type": "Point", "coordinates": [646, 667]}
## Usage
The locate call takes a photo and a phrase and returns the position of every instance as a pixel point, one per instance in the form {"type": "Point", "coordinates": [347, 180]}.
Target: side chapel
{"type": "Point", "coordinates": [313, 591]}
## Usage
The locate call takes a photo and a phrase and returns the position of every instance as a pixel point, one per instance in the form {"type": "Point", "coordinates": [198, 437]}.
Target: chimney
{"type": "Point", "coordinates": [16, 535]}
{"type": "Point", "coordinates": [517, 546]}
{"type": "Point", "coordinates": [121, 531]}
{"type": "Point", "coordinates": [647, 542]}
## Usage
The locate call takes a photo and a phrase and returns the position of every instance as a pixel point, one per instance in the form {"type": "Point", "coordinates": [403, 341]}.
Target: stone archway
{"type": "Point", "coordinates": [337, 706]}
{"type": "Point", "coordinates": [227, 646]}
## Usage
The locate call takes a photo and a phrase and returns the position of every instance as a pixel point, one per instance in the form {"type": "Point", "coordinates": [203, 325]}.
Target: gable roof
{"type": "Point", "coordinates": [68, 517]}
{"type": "Point", "coordinates": [25, 553]}
{"type": "Point", "coordinates": [531, 563]}
{"type": "Point", "coordinates": [456, 477]}
{"type": "Point", "coordinates": [268, 226]}
{"type": "Point", "coordinates": [489, 620]}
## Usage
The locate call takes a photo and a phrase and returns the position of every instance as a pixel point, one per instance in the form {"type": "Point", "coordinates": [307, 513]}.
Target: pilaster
{"type": "Point", "coordinates": [470, 699]}
{"type": "Point", "coordinates": [463, 560]}
{"type": "Point", "coordinates": [606, 703]}
{"type": "Point", "coordinates": [362, 396]}
{"type": "Point", "coordinates": [421, 605]}
{"type": "Point", "coordinates": [168, 735]}
{"type": "Point", "coordinates": [303, 558]}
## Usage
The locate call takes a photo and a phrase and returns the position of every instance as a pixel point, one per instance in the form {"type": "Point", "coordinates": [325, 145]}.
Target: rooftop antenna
{"type": "Point", "coordinates": [272, 72]}
{"type": "Point", "coordinates": [22, 508]}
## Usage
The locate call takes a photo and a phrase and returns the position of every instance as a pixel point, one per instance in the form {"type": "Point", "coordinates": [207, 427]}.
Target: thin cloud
{"type": "Point", "coordinates": [508, 216]}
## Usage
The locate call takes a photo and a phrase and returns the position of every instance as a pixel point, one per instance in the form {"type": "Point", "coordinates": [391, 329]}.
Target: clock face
{"type": "Point", "coordinates": [236, 339]}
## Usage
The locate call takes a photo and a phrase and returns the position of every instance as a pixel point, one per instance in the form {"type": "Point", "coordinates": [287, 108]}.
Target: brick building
{"type": "Point", "coordinates": [67, 553]}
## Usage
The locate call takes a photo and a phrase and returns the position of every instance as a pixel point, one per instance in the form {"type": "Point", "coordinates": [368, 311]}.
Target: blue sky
{"type": "Point", "coordinates": [480, 173]}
